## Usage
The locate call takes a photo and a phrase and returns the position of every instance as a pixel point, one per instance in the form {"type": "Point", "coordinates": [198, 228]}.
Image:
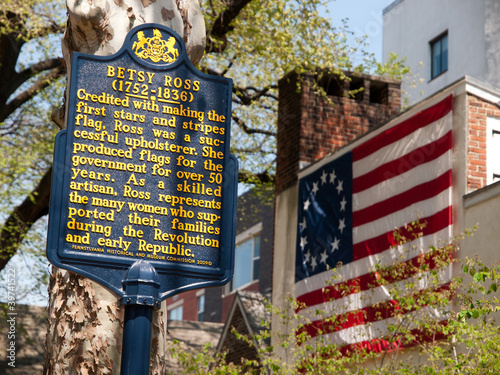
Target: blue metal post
{"type": "Point", "coordinates": [136, 347]}
{"type": "Point", "coordinates": [141, 285]}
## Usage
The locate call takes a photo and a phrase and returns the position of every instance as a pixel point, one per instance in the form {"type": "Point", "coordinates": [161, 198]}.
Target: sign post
{"type": "Point", "coordinates": [141, 291]}
{"type": "Point", "coordinates": [144, 188]}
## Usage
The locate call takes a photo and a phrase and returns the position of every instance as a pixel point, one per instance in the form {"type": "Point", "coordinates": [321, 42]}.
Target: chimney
{"type": "Point", "coordinates": [312, 125]}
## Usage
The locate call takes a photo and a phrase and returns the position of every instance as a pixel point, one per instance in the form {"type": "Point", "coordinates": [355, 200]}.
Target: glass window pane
{"type": "Point", "coordinates": [439, 56]}
{"type": "Point", "coordinates": [444, 53]}
{"type": "Point", "coordinates": [256, 269]}
{"type": "Point", "coordinates": [176, 314]}
{"type": "Point", "coordinates": [201, 307]}
{"type": "Point", "coordinates": [243, 264]}
{"type": "Point", "coordinates": [256, 247]}
{"type": "Point", "coordinates": [436, 59]}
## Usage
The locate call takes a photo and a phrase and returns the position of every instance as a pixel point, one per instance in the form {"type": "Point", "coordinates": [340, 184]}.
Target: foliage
{"type": "Point", "coordinates": [459, 337]}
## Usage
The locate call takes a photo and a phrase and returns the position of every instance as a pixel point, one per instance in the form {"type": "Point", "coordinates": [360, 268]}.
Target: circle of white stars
{"type": "Point", "coordinates": [325, 181]}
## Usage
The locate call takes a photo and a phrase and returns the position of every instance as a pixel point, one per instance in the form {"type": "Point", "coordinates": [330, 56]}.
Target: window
{"type": "Point", "coordinates": [439, 55]}
{"type": "Point", "coordinates": [246, 263]}
{"type": "Point", "coordinates": [201, 307]}
{"type": "Point", "coordinates": [492, 150]}
{"type": "Point", "coordinates": [175, 313]}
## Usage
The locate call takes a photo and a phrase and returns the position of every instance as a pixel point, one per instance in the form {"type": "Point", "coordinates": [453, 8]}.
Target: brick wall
{"type": "Point", "coordinates": [479, 111]}
{"type": "Point", "coordinates": [312, 125]}
{"type": "Point", "coordinates": [238, 349]}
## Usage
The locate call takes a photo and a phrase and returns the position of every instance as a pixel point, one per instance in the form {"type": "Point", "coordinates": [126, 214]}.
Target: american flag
{"type": "Point", "coordinates": [348, 211]}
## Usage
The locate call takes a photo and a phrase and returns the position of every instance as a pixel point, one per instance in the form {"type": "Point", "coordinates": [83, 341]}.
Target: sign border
{"type": "Point", "coordinates": [174, 277]}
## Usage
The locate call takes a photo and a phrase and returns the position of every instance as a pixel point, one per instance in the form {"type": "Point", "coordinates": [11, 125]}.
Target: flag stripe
{"type": "Point", "coordinates": [377, 329]}
{"type": "Point", "coordinates": [421, 155]}
{"type": "Point", "coordinates": [410, 214]}
{"type": "Point", "coordinates": [364, 265]}
{"type": "Point", "coordinates": [399, 202]}
{"type": "Point", "coordinates": [404, 128]}
{"type": "Point", "coordinates": [380, 345]}
{"type": "Point", "coordinates": [411, 267]}
{"type": "Point", "coordinates": [438, 221]}
{"type": "Point", "coordinates": [377, 294]}
{"type": "Point", "coordinates": [418, 139]}
{"type": "Point", "coordinates": [396, 341]}
{"type": "Point", "coordinates": [401, 183]}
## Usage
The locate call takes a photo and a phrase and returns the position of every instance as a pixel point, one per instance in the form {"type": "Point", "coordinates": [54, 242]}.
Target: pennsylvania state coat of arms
{"type": "Point", "coordinates": [155, 48]}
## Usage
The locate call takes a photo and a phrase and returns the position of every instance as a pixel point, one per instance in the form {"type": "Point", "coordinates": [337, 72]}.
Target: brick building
{"type": "Point", "coordinates": [247, 314]}
{"type": "Point", "coordinates": [312, 125]}
{"type": "Point", "coordinates": [337, 121]}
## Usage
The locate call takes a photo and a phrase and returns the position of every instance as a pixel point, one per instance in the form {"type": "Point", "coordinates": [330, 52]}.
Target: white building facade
{"type": "Point", "coordinates": [442, 41]}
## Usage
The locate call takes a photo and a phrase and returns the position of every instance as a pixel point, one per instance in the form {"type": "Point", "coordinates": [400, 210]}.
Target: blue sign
{"type": "Point", "coordinates": [143, 170]}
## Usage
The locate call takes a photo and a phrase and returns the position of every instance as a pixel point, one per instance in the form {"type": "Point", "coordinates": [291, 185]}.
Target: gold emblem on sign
{"type": "Point", "coordinates": [155, 48]}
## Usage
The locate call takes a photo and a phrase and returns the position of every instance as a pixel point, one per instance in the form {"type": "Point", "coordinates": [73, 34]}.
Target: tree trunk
{"type": "Point", "coordinates": [85, 319]}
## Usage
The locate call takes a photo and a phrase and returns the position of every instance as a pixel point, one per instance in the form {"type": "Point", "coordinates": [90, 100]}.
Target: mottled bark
{"type": "Point", "coordinates": [85, 329]}
{"type": "Point", "coordinates": [99, 27]}
{"type": "Point", "coordinates": [86, 320]}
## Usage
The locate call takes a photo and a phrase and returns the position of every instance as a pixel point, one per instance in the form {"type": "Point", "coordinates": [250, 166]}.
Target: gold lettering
{"type": "Point", "coordinates": [128, 192]}
{"type": "Point", "coordinates": [121, 73]}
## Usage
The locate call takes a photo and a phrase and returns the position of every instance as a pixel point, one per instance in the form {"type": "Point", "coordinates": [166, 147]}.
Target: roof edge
{"type": "Point", "coordinates": [390, 6]}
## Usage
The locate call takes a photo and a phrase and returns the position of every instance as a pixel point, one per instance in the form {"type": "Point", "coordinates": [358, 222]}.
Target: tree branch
{"type": "Point", "coordinates": [19, 78]}
{"type": "Point", "coordinates": [248, 130]}
{"type": "Point", "coordinates": [216, 37]}
{"type": "Point", "coordinates": [28, 94]}
{"type": "Point", "coordinates": [246, 97]}
{"type": "Point", "coordinates": [34, 206]}
{"type": "Point", "coordinates": [253, 178]}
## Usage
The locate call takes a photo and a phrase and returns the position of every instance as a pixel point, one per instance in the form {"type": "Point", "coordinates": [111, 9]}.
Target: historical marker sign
{"type": "Point", "coordinates": [143, 170]}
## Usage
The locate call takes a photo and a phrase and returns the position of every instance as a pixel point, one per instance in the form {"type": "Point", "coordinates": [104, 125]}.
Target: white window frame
{"type": "Point", "coordinates": [241, 238]}
{"type": "Point", "coordinates": [492, 150]}
{"type": "Point", "coordinates": [200, 294]}
{"type": "Point", "coordinates": [439, 39]}
{"type": "Point", "coordinates": [174, 306]}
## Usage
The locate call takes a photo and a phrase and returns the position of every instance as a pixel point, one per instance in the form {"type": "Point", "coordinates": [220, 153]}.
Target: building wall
{"type": "Point", "coordinates": [480, 111]}
{"type": "Point", "coordinates": [482, 210]}
{"type": "Point", "coordinates": [473, 41]}
{"type": "Point", "coordinates": [479, 205]}
{"type": "Point", "coordinates": [189, 302]}
{"type": "Point", "coordinates": [492, 33]}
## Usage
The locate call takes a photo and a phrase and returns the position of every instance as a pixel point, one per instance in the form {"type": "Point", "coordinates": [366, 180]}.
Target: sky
{"type": "Point", "coordinates": [364, 18]}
